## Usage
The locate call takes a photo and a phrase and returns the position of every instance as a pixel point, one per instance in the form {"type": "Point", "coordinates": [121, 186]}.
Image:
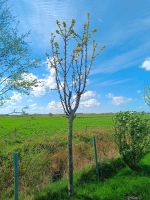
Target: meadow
{"type": "Point", "coordinates": [15, 130]}
{"type": "Point", "coordinates": [42, 145]}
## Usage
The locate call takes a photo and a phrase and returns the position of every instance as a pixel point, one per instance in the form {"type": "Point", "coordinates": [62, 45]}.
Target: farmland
{"type": "Point", "coordinates": [16, 129]}
{"type": "Point", "coordinates": [42, 145]}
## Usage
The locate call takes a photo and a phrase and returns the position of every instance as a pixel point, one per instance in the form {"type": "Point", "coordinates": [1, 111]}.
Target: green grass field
{"type": "Point", "coordinates": [15, 130]}
{"type": "Point", "coordinates": [42, 145]}
{"type": "Point", "coordinates": [38, 124]}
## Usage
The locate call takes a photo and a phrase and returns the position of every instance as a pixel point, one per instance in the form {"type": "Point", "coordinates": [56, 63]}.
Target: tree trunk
{"type": "Point", "coordinates": [70, 156]}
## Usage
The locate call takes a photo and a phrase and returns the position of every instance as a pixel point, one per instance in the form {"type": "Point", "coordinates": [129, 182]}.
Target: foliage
{"type": "Point", "coordinates": [15, 60]}
{"type": "Point", "coordinates": [132, 134]}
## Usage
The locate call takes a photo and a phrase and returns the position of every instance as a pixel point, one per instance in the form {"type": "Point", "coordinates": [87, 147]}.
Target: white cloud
{"type": "Point", "coordinates": [29, 77]}
{"type": "Point", "coordinates": [146, 64]}
{"type": "Point", "coordinates": [37, 90]}
{"type": "Point", "coordinates": [51, 62]}
{"type": "Point", "coordinates": [56, 105]}
{"type": "Point", "coordinates": [89, 103]}
{"type": "Point", "coordinates": [33, 106]}
{"type": "Point", "coordinates": [41, 13]}
{"type": "Point", "coordinates": [40, 89]}
{"type": "Point", "coordinates": [122, 61]}
{"type": "Point", "coordinates": [43, 84]}
{"type": "Point", "coordinates": [12, 103]}
{"type": "Point", "coordinates": [15, 98]}
{"type": "Point", "coordinates": [50, 80]}
{"type": "Point", "coordinates": [112, 82]}
{"type": "Point", "coordinates": [87, 95]}
{"type": "Point", "coordinates": [118, 100]}
{"type": "Point", "coordinates": [36, 108]}
{"type": "Point", "coordinates": [53, 105]}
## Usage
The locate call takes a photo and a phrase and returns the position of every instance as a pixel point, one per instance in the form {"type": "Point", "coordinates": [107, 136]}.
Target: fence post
{"type": "Point", "coordinates": [95, 155]}
{"type": "Point", "coordinates": [16, 179]}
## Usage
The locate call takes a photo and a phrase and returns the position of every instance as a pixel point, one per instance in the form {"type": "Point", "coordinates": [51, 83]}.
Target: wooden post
{"type": "Point", "coordinates": [16, 179]}
{"type": "Point", "coordinates": [95, 155]}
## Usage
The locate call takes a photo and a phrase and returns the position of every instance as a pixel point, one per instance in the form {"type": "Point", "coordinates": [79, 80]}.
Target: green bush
{"type": "Point", "coordinates": [132, 135]}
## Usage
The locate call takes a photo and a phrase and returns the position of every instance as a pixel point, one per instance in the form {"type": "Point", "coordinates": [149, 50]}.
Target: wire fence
{"type": "Point", "coordinates": [36, 165]}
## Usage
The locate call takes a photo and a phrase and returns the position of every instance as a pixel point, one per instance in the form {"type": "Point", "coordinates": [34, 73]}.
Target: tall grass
{"type": "Point", "coordinates": [116, 183]}
{"type": "Point", "coordinates": [44, 160]}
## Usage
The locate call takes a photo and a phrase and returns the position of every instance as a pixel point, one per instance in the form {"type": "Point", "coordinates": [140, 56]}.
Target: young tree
{"type": "Point", "coordinates": [15, 60]}
{"type": "Point", "coordinates": [132, 137]}
{"type": "Point", "coordinates": [72, 68]}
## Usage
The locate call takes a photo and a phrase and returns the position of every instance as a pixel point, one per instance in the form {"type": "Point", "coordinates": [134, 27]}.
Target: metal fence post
{"type": "Point", "coordinates": [95, 155]}
{"type": "Point", "coordinates": [16, 179]}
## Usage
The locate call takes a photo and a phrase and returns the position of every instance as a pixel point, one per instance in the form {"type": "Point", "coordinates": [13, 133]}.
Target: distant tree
{"type": "Point", "coordinates": [147, 95]}
{"type": "Point", "coordinates": [50, 114]}
{"type": "Point", "coordinates": [22, 112]}
{"type": "Point", "coordinates": [15, 60]}
{"type": "Point", "coordinates": [72, 63]}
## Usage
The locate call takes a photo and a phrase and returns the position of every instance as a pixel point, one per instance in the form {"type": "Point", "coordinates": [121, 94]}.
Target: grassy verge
{"type": "Point", "coordinates": [118, 183]}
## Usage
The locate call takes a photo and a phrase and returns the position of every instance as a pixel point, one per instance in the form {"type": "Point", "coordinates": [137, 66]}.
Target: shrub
{"type": "Point", "coordinates": [132, 135]}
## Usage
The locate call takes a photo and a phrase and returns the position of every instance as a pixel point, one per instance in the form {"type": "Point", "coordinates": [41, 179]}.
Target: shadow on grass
{"type": "Point", "coordinates": [62, 194]}
{"type": "Point", "coordinates": [144, 170]}
{"type": "Point", "coordinates": [57, 195]}
{"type": "Point", "coordinates": [106, 170]}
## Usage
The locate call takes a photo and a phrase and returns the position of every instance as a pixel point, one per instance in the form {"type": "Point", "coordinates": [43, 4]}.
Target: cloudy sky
{"type": "Point", "coordinates": [119, 74]}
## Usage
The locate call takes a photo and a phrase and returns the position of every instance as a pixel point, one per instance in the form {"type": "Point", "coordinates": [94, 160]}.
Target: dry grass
{"type": "Point", "coordinates": [45, 161]}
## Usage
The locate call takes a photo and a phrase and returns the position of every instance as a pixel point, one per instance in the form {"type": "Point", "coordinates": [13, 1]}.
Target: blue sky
{"type": "Point", "coordinates": [119, 74]}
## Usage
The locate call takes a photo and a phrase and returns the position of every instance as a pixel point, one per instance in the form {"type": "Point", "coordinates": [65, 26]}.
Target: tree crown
{"type": "Point", "coordinates": [73, 64]}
